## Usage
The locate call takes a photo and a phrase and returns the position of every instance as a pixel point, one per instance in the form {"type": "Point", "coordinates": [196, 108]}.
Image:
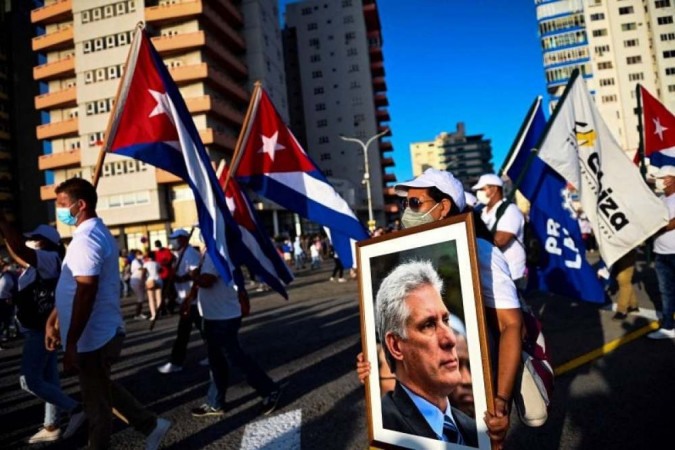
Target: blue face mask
{"type": "Point", "coordinates": [65, 217]}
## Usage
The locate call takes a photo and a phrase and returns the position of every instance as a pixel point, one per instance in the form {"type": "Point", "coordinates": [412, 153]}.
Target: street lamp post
{"type": "Point", "coordinates": [366, 173]}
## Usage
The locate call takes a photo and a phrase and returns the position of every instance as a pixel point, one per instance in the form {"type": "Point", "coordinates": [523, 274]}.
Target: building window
{"type": "Point", "coordinates": [322, 123]}
{"type": "Point", "coordinates": [631, 43]}
{"type": "Point", "coordinates": [661, 3]}
{"type": "Point", "coordinates": [348, 19]}
{"type": "Point", "coordinates": [318, 90]}
{"type": "Point", "coordinates": [354, 85]}
{"type": "Point", "coordinates": [352, 51]}
{"type": "Point", "coordinates": [600, 32]}
{"type": "Point", "coordinates": [636, 76]}
{"type": "Point", "coordinates": [315, 58]}
{"type": "Point", "coordinates": [668, 37]}
{"type": "Point", "coordinates": [605, 65]}
{"type": "Point", "coordinates": [628, 26]}
{"type": "Point", "coordinates": [665, 20]}
{"type": "Point", "coordinates": [669, 54]}
{"type": "Point", "coordinates": [597, 16]}
{"type": "Point", "coordinates": [608, 98]}
{"type": "Point", "coordinates": [306, 11]}
{"type": "Point", "coordinates": [86, 46]}
{"type": "Point", "coordinates": [314, 42]}
{"type": "Point", "coordinates": [671, 88]}
{"type": "Point", "coordinates": [317, 74]}
{"type": "Point", "coordinates": [346, 3]}
{"type": "Point", "coordinates": [625, 10]}
{"type": "Point", "coordinates": [86, 16]}
{"type": "Point", "coordinates": [349, 36]}
{"type": "Point", "coordinates": [323, 140]}
{"type": "Point", "coordinates": [607, 82]}
{"type": "Point", "coordinates": [312, 26]}
{"type": "Point", "coordinates": [601, 49]}
{"type": "Point", "coordinates": [634, 60]}
{"type": "Point", "coordinates": [320, 107]}
{"type": "Point", "coordinates": [325, 157]}
{"type": "Point", "coordinates": [670, 70]}
{"type": "Point", "coordinates": [353, 68]}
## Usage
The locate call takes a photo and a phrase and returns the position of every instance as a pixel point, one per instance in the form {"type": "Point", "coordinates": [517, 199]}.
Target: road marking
{"type": "Point", "coordinates": [280, 432]}
{"type": "Point", "coordinates": [605, 349]}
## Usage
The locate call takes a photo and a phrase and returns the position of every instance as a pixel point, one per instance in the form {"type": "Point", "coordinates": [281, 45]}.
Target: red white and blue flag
{"type": "Point", "coordinates": [659, 131]}
{"type": "Point", "coordinates": [273, 269]}
{"type": "Point", "coordinates": [274, 165]}
{"type": "Point", "coordinates": [151, 123]}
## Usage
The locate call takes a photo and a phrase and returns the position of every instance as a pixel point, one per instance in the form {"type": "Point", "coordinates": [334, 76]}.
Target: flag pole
{"type": "Point", "coordinates": [122, 91]}
{"type": "Point", "coordinates": [641, 145]}
{"type": "Point", "coordinates": [236, 156]}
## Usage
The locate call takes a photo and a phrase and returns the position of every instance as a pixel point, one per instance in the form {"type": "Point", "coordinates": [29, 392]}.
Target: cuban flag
{"type": "Point", "coordinates": [563, 269]}
{"type": "Point", "coordinates": [273, 164]}
{"type": "Point", "coordinates": [659, 131]}
{"type": "Point", "coordinates": [151, 123]}
{"type": "Point", "coordinates": [272, 268]}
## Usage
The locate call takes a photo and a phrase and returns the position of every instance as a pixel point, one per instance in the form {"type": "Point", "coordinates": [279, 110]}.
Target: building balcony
{"type": "Point", "coordinates": [387, 162]}
{"type": "Point", "coordinates": [381, 100]}
{"type": "Point", "coordinates": [197, 72]}
{"type": "Point", "coordinates": [48, 192]}
{"type": "Point", "coordinates": [389, 178]}
{"type": "Point", "coordinates": [56, 40]}
{"type": "Point", "coordinates": [386, 146]}
{"type": "Point", "coordinates": [381, 128]}
{"type": "Point", "coordinates": [59, 99]}
{"type": "Point", "coordinates": [375, 51]}
{"type": "Point", "coordinates": [229, 12]}
{"type": "Point", "coordinates": [382, 115]}
{"type": "Point", "coordinates": [61, 160]}
{"type": "Point", "coordinates": [379, 84]}
{"type": "Point", "coordinates": [227, 58]}
{"type": "Point", "coordinates": [208, 104]}
{"type": "Point", "coordinates": [164, 177]}
{"type": "Point", "coordinates": [371, 15]}
{"type": "Point", "coordinates": [377, 68]}
{"type": "Point", "coordinates": [173, 12]}
{"type": "Point", "coordinates": [61, 68]}
{"type": "Point", "coordinates": [212, 137]}
{"type": "Point", "coordinates": [226, 31]}
{"type": "Point", "coordinates": [64, 128]}
{"type": "Point", "coordinates": [58, 11]}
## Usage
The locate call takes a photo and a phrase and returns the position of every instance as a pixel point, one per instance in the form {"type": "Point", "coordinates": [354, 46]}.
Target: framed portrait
{"type": "Point", "coordinates": [390, 266]}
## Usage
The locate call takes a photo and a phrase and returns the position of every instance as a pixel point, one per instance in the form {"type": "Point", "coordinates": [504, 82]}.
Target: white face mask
{"type": "Point", "coordinates": [35, 245]}
{"type": "Point", "coordinates": [412, 219]}
{"type": "Point", "coordinates": [482, 197]}
{"type": "Point", "coordinates": [660, 184]}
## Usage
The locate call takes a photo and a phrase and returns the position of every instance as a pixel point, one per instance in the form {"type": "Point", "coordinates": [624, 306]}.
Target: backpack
{"type": "Point", "coordinates": [531, 244]}
{"type": "Point", "coordinates": [35, 302]}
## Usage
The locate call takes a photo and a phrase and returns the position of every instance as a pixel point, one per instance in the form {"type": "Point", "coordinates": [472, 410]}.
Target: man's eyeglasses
{"type": "Point", "coordinates": [414, 203]}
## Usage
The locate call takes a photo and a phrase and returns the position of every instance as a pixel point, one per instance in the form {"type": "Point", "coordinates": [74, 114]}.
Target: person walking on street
{"type": "Point", "coordinates": [88, 321]}
{"type": "Point", "coordinates": [626, 301]}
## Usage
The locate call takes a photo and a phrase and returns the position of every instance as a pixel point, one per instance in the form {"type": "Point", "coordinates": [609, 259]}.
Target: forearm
{"type": "Point", "coordinates": [510, 346]}
{"type": "Point", "coordinates": [83, 305]}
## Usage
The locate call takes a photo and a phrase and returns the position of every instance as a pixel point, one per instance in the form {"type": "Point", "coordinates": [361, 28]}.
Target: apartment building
{"type": "Point", "coordinates": [83, 45]}
{"type": "Point", "coordinates": [336, 87]}
{"type": "Point", "coordinates": [616, 44]}
{"type": "Point", "coordinates": [466, 156]}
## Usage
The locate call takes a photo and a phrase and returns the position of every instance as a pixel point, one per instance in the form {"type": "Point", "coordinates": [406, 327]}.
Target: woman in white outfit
{"type": "Point", "coordinates": [153, 283]}
{"type": "Point", "coordinates": [137, 283]}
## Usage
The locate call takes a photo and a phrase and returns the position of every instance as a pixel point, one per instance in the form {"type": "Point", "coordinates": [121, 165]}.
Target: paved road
{"type": "Point", "coordinates": [621, 401]}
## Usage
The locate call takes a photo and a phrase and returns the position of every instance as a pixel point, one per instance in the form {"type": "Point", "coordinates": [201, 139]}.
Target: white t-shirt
{"type": "Point", "coordinates": [188, 263]}
{"type": "Point", "coordinates": [48, 263]}
{"type": "Point", "coordinates": [220, 301]}
{"type": "Point", "coordinates": [512, 221]}
{"type": "Point", "coordinates": [153, 271]}
{"type": "Point", "coordinates": [92, 252]}
{"type": "Point", "coordinates": [137, 269]}
{"type": "Point", "coordinates": [498, 289]}
{"type": "Point", "coordinates": [665, 243]}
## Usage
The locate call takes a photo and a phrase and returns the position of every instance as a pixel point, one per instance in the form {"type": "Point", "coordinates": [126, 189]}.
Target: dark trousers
{"type": "Point", "coordinates": [338, 269]}
{"type": "Point", "coordinates": [100, 395]}
{"type": "Point", "coordinates": [185, 324]}
{"type": "Point", "coordinates": [222, 343]}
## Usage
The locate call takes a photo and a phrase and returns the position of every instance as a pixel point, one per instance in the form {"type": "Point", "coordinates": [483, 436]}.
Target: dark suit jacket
{"type": "Point", "coordinates": [399, 413]}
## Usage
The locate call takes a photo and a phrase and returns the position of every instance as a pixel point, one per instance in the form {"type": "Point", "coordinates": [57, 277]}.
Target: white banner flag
{"type": "Point", "coordinates": [579, 146]}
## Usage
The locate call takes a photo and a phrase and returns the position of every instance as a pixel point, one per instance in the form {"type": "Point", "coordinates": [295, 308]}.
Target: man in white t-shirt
{"type": "Point", "coordinates": [188, 260]}
{"type": "Point", "coordinates": [88, 319]}
{"type": "Point", "coordinates": [222, 307]}
{"type": "Point", "coordinates": [664, 247]}
{"type": "Point", "coordinates": [506, 223]}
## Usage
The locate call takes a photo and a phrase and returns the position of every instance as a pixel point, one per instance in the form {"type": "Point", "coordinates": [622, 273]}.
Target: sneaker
{"type": "Point", "coordinates": [662, 333]}
{"type": "Point", "coordinates": [633, 309]}
{"type": "Point", "coordinates": [341, 280]}
{"type": "Point", "coordinates": [45, 435]}
{"type": "Point", "coordinates": [331, 279]}
{"type": "Point", "coordinates": [155, 438]}
{"type": "Point", "coordinates": [269, 403]}
{"type": "Point", "coordinates": [169, 368]}
{"type": "Point", "coordinates": [141, 317]}
{"type": "Point", "coordinates": [204, 362]}
{"type": "Point", "coordinates": [76, 420]}
{"type": "Point", "coordinates": [619, 316]}
{"type": "Point", "coordinates": [206, 410]}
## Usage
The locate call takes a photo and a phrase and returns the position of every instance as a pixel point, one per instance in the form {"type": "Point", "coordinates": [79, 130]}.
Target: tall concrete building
{"type": "Point", "coordinates": [466, 156]}
{"type": "Point", "coordinates": [615, 44]}
{"type": "Point", "coordinates": [335, 72]}
{"type": "Point", "coordinates": [83, 45]}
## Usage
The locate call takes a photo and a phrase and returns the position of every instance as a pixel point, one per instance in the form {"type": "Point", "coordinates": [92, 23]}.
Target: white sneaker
{"type": "Point", "coordinates": [662, 333]}
{"type": "Point", "coordinates": [169, 368]}
{"type": "Point", "coordinates": [75, 422]}
{"type": "Point", "coordinates": [341, 280]}
{"type": "Point", "coordinates": [44, 435]}
{"type": "Point", "coordinates": [155, 438]}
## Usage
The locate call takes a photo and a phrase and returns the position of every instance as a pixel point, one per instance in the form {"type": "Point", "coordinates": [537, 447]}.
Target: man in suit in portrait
{"type": "Point", "coordinates": [419, 345]}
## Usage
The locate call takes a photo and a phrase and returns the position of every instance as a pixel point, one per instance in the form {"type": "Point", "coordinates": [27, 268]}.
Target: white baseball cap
{"type": "Point", "coordinates": [665, 171]}
{"type": "Point", "coordinates": [489, 179]}
{"type": "Point", "coordinates": [443, 180]}
{"type": "Point", "coordinates": [46, 232]}
{"type": "Point", "coordinates": [179, 233]}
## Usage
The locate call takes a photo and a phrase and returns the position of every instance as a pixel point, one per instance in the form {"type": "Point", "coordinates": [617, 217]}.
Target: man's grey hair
{"type": "Point", "coordinates": [391, 311]}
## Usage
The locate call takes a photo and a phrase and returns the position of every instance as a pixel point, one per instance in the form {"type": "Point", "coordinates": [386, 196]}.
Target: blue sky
{"type": "Point", "coordinates": [449, 61]}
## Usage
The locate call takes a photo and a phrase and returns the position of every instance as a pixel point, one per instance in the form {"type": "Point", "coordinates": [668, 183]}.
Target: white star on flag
{"type": "Point", "coordinates": [659, 128]}
{"type": "Point", "coordinates": [163, 104]}
{"type": "Point", "coordinates": [270, 145]}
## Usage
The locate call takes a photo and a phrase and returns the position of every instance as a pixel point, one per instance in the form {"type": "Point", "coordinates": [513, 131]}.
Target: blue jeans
{"type": "Point", "coordinates": [665, 272]}
{"type": "Point", "coordinates": [40, 376]}
{"type": "Point", "coordinates": [222, 345]}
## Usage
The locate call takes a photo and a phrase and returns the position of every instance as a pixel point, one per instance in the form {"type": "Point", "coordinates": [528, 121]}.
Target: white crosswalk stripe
{"type": "Point", "coordinates": [281, 432]}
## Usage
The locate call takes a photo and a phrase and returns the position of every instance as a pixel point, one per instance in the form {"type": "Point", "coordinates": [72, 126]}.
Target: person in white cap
{"type": "Point", "coordinates": [664, 247]}
{"type": "Point", "coordinates": [40, 253]}
{"type": "Point", "coordinates": [435, 195]}
{"type": "Point", "coordinates": [506, 223]}
{"type": "Point", "coordinates": [187, 260]}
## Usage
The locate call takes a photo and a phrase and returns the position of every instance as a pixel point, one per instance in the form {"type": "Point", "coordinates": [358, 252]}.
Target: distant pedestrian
{"type": "Point", "coordinates": [338, 268]}
{"type": "Point", "coordinates": [153, 284]}
{"type": "Point", "coordinates": [137, 283]}
{"type": "Point", "coordinates": [626, 301]}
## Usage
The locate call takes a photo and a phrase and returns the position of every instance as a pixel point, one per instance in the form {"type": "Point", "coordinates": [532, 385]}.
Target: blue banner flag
{"type": "Point", "coordinates": [563, 268]}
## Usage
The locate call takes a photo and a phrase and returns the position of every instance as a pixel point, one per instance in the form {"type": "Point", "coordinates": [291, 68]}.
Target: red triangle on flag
{"type": "Point", "coordinates": [659, 124]}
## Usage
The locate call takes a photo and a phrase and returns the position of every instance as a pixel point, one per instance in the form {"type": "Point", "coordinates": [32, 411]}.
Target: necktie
{"type": "Point", "coordinates": [451, 432]}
